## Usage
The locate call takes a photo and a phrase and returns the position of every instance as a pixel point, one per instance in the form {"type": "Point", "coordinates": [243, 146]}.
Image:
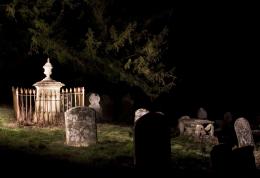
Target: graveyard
{"type": "Point", "coordinates": [114, 150]}
{"type": "Point", "coordinates": [69, 129]}
{"type": "Point", "coordinates": [111, 88]}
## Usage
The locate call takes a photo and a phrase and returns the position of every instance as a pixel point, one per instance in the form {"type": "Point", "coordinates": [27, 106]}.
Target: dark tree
{"type": "Point", "coordinates": [96, 36]}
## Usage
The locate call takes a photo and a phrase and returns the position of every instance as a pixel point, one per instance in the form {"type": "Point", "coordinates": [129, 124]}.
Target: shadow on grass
{"type": "Point", "coordinates": [108, 159]}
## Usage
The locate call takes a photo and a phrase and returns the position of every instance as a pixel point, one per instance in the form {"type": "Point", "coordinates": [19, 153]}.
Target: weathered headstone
{"type": "Point", "coordinates": [152, 147]}
{"type": "Point", "coordinates": [139, 113]}
{"type": "Point", "coordinates": [243, 132]}
{"type": "Point", "coordinates": [94, 100]}
{"type": "Point", "coordinates": [80, 124]}
{"type": "Point", "coordinates": [202, 114]}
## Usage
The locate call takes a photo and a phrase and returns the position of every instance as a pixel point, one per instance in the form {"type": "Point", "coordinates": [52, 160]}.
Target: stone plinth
{"type": "Point", "coordinates": [48, 96]}
{"type": "Point", "coordinates": [48, 92]}
{"type": "Point", "coordinates": [190, 125]}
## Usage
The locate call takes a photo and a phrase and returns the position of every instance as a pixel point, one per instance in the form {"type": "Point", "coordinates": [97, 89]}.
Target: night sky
{"type": "Point", "coordinates": [214, 47]}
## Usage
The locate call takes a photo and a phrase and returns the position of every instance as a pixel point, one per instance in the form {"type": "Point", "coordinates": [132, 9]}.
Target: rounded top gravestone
{"type": "Point", "coordinates": [243, 132]}
{"type": "Point", "coordinates": [139, 113]}
{"type": "Point", "coordinates": [152, 147]}
{"type": "Point", "coordinates": [81, 129]}
{"type": "Point", "coordinates": [202, 114]}
{"type": "Point", "coordinates": [94, 100]}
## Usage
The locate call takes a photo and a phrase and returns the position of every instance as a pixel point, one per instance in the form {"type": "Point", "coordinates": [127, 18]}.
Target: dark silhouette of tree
{"type": "Point", "coordinates": [94, 37]}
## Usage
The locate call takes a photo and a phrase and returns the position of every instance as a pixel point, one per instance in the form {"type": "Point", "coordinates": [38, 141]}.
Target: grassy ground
{"type": "Point", "coordinates": [114, 148]}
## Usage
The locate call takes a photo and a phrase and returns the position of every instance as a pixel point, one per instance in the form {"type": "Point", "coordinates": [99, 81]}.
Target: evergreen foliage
{"type": "Point", "coordinates": [91, 35]}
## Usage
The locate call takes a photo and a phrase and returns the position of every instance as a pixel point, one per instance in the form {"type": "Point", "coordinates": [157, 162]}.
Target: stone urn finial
{"type": "Point", "coordinates": [47, 70]}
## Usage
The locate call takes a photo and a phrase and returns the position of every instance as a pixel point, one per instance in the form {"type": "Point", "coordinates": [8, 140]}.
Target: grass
{"type": "Point", "coordinates": [188, 154]}
{"type": "Point", "coordinates": [114, 148]}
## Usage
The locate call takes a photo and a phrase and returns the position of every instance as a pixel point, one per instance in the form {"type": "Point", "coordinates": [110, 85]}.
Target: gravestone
{"type": "Point", "coordinates": [239, 160]}
{"type": "Point", "coordinates": [152, 146]}
{"type": "Point", "coordinates": [139, 113]}
{"type": "Point", "coordinates": [181, 125]}
{"type": "Point", "coordinates": [94, 100]}
{"type": "Point", "coordinates": [221, 158]}
{"type": "Point", "coordinates": [244, 159]}
{"type": "Point", "coordinates": [243, 132]}
{"type": "Point", "coordinates": [80, 125]}
{"type": "Point", "coordinates": [202, 114]}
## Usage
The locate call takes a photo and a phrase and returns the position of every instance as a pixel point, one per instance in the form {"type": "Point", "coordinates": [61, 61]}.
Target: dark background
{"type": "Point", "coordinates": [214, 46]}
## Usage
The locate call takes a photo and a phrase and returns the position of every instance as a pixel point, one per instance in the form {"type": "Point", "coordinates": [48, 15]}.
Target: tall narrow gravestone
{"type": "Point", "coordinates": [243, 157]}
{"type": "Point", "coordinates": [81, 129]}
{"type": "Point", "coordinates": [243, 132]}
{"type": "Point", "coordinates": [152, 147]}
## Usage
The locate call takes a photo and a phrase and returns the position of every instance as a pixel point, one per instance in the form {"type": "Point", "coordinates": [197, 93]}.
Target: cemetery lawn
{"type": "Point", "coordinates": [114, 148]}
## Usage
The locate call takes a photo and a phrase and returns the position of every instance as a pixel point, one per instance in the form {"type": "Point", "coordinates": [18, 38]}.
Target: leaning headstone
{"type": "Point", "coordinates": [152, 146]}
{"type": "Point", "coordinates": [94, 100]}
{"type": "Point", "coordinates": [243, 132]}
{"type": "Point", "coordinates": [139, 113]}
{"type": "Point", "coordinates": [202, 114]}
{"type": "Point", "coordinates": [80, 124]}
